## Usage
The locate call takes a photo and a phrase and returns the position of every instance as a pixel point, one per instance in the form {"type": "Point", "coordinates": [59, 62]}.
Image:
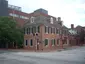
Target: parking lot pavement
{"type": "Point", "coordinates": [74, 56]}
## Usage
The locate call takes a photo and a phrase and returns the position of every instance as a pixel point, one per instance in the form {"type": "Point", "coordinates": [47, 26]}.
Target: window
{"type": "Point", "coordinates": [23, 17]}
{"type": "Point", "coordinates": [38, 29]}
{"type": "Point", "coordinates": [51, 30]}
{"type": "Point", "coordinates": [10, 14]}
{"type": "Point", "coordinates": [46, 42]}
{"type": "Point", "coordinates": [26, 42]}
{"type": "Point", "coordinates": [31, 42]}
{"type": "Point", "coordinates": [56, 31]}
{"type": "Point", "coordinates": [34, 29]}
{"type": "Point", "coordinates": [58, 41]}
{"type": "Point", "coordinates": [46, 29]}
{"type": "Point", "coordinates": [53, 42]}
{"type": "Point", "coordinates": [51, 20]}
{"type": "Point", "coordinates": [59, 31]}
{"type": "Point", "coordinates": [30, 29]}
{"type": "Point", "coordinates": [65, 32]}
{"type": "Point", "coordinates": [14, 15]}
{"type": "Point", "coordinates": [27, 30]}
{"type": "Point", "coordinates": [32, 19]}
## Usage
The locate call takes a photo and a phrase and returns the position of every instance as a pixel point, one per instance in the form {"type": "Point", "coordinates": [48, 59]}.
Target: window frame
{"type": "Point", "coordinates": [53, 42]}
{"type": "Point", "coordinates": [47, 42]}
{"type": "Point", "coordinates": [46, 29]}
{"type": "Point", "coordinates": [26, 43]}
{"type": "Point", "coordinates": [31, 41]}
{"type": "Point", "coordinates": [32, 19]}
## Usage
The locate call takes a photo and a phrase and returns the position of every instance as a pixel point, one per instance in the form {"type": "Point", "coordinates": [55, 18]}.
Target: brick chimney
{"type": "Point", "coordinates": [60, 21]}
{"type": "Point", "coordinates": [72, 26]}
{"type": "Point", "coordinates": [59, 18]}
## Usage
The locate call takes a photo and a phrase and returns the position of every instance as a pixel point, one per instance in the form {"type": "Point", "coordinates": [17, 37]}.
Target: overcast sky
{"type": "Point", "coordinates": [71, 11]}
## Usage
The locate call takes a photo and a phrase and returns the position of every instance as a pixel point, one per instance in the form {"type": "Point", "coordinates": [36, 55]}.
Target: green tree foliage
{"type": "Point", "coordinates": [9, 32]}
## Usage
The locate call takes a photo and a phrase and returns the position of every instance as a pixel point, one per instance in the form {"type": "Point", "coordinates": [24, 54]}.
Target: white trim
{"type": "Point", "coordinates": [46, 30]}
{"type": "Point", "coordinates": [53, 42]}
{"type": "Point", "coordinates": [25, 42]}
{"type": "Point", "coordinates": [46, 33]}
{"type": "Point", "coordinates": [30, 42]}
{"type": "Point", "coordinates": [51, 20]}
{"type": "Point", "coordinates": [32, 19]}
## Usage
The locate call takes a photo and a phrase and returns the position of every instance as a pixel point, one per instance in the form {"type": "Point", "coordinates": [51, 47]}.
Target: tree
{"type": "Point", "coordinates": [9, 32]}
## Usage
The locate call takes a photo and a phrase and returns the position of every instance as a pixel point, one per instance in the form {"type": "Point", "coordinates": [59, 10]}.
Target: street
{"type": "Point", "coordinates": [74, 56]}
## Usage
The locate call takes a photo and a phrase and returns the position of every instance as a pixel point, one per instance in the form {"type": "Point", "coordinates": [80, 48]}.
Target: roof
{"type": "Point", "coordinates": [40, 13]}
{"type": "Point", "coordinates": [45, 23]}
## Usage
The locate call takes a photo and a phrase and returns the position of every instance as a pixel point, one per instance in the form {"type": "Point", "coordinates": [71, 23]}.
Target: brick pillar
{"type": "Point", "coordinates": [42, 36]}
{"type": "Point", "coordinates": [61, 43]}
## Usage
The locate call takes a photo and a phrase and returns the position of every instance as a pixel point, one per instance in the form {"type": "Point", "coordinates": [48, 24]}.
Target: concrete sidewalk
{"type": "Point", "coordinates": [24, 50]}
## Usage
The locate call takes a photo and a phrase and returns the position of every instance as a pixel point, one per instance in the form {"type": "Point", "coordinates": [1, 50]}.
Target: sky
{"type": "Point", "coordinates": [70, 11]}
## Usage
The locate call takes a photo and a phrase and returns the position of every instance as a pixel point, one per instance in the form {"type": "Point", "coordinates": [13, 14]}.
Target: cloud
{"type": "Point", "coordinates": [71, 11]}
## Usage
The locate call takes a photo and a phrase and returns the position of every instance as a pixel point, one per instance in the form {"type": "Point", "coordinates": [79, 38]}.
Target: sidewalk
{"type": "Point", "coordinates": [59, 50]}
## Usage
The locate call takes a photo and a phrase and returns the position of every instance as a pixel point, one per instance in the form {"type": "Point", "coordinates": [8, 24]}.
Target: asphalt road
{"type": "Point", "coordinates": [74, 56]}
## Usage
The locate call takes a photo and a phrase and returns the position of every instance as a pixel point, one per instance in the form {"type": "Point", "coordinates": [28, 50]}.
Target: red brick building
{"type": "Point", "coordinates": [76, 35]}
{"type": "Point", "coordinates": [45, 32]}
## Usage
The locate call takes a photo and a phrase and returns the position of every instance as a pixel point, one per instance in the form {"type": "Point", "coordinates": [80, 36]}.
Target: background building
{"type": "Point", "coordinates": [13, 11]}
{"type": "Point", "coordinates": [3, 8]}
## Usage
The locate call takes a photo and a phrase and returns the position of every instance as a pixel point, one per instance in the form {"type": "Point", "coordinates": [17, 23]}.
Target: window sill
{"type": "Point", "coordinates": [31, 46]}
{"type": "Point", "coordinates": [53, 45]}
{"type": "Point", "coordinates": [46, 33]}
{"type": "Point", "coordinates": [46, 46]}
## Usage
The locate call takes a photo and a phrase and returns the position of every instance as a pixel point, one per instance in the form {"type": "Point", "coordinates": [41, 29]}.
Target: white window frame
{"type": "Point", "coordinates": [32, 19]}
{"type": "Point", "coordinates": [47, 29]}
{"type": "Point", "coordinates": [51, 20]}
{"type": "Point", "coordinates": [25, 42]}
{"type": "Point", "coordinates": [48, 42]}
{"type": "Point", "coordinates": [30, 42]}
{"type": "Point", "coordinates": [53, 42]}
